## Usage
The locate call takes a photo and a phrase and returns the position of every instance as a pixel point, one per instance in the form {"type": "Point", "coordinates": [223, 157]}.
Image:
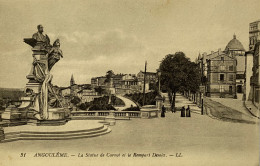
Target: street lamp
{"type": "Point", "coordinates": [159, 80]}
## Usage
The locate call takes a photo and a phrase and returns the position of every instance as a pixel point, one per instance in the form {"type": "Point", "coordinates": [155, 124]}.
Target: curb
{"type": "Point", "coordinates": [244, 103]}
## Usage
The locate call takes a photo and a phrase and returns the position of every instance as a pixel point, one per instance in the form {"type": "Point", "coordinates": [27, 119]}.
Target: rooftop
{"type": "Point", "coordinates": [234, 44]}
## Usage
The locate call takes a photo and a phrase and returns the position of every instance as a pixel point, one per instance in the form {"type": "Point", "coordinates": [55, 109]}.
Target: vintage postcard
{"type": "Point", "coordinates": [129, 82]}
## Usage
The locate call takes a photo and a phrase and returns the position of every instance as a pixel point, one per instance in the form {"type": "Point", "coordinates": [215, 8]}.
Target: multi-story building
{"type": "Point", "coordinates": [129, 81]}
{"type": "Point", "coordinates": [255, 79]}
{"type": "Point", "coordinates": [150, 76]}
{"type": "Point", "coordinates": [88, 95]}
{"type": "Point", "coordinates": [252, 64]}
{"type": "Point", "coordinates": [221, 75]}
{"type": "Point", "coordinates": [236, 49]}
{"type": "Point", "coordinates": [117, 80]}
{"type": "Point", "coordinates": [254, 34]}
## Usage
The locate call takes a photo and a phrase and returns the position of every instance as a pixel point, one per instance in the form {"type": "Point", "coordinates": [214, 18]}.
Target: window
{"type": "Point", "coordinates": [222, 58]}
{"type": "Point", "coordinates": [231, 77]}
{"type": "Point", "coordinates": [231, 68]}
{"type": "Point", "coordinates": [222, 67]}
{"type": "Point", "coordinates": [221, 88]}
{"type": "Point", "coordinates": [221, 77]}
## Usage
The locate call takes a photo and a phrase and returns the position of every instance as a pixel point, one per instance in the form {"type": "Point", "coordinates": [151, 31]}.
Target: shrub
{"type": "Point", "coordinates": [132, 109]}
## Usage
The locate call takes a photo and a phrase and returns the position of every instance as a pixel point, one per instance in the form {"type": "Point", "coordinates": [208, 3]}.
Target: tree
{"type": "Point", "coordinates": [99, 90]}
{"type": "Point", "coordinates": [109, 76]}
{"type": "Point", "coordinates": [75, 100]}
{"type": "Point", "coordinates": [178, 73]}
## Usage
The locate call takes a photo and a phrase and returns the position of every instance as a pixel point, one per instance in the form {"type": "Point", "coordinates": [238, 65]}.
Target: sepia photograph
{"type": "Point", "coordinates": [129, 82]}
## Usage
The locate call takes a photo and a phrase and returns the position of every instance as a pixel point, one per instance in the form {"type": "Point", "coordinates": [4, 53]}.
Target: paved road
{"type": "Point", "coordinates": [202, 141]}
{"type": "Point", "coordinates": [127, 102]}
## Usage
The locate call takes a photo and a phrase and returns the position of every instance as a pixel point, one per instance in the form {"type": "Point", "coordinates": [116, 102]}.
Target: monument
{"type": "Point", "coordinates": [42, 102]}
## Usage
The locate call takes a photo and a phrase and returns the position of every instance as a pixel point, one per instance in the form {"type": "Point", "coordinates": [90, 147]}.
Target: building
{"type": "Point", "coordinates": [236, 49]}
{"type": "Point", "coordinates": [117, 80]}
{"type": "Point", "coordinates": [255, 79]}
{"type": "Point", "coordinates": [151, 77]}
{"type": "Point", "coordinates": [88, 95]}
{"type": "Point", "coordinates": [221, 75]}
{"type": "Point", "coordinates": [254, 33]}
{"type": "Point", "coordinates": [129, 83]}
{"type": "Point", "coordinates": [252, 64]}
{"type": "Point", "coordinates": [65, 91]}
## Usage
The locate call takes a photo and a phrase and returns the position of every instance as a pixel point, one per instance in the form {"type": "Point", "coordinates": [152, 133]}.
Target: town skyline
{"type": "Point", "coordinates": [118, 35]}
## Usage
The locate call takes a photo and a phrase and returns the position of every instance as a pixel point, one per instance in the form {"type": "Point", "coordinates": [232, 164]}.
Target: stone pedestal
{"type": "Point", "coordinates": [56, 114]}
{"type": "Point", "coordinates": [159, 101]}
{"type": "Point", "coordinates": [111, 118]}
{"type": "Point", "coordinates": [11, 114]}
{"type": "Point", "coordinates": [148, 112]}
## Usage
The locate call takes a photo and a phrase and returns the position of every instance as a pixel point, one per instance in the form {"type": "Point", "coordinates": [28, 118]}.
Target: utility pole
{"type": "Point", "coordinates": [144, 82]}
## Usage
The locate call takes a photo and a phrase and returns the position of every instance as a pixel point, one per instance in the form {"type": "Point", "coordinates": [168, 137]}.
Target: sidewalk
{"type": "Point", "coordinates": [252, 108]}
{"type": "Point", "coordinates": [229, 110]}
{"type": "Point", "coordinates": [183, 101]}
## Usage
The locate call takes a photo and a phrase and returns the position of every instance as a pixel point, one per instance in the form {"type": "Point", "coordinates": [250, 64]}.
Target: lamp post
{"type": "Point", "coordinates": [159, 80]}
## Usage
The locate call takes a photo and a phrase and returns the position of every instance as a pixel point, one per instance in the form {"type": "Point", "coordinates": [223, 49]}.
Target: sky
{"type": "Point", "coordinates": [119, 35]}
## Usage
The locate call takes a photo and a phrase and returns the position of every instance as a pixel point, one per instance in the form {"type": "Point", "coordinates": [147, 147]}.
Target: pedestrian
{"type": "Point", "coordinates": [183, 111]}
{"type": "Point", "coordinates": [163, 111]}
{"type": "Point", "coordinates": [188, 111]}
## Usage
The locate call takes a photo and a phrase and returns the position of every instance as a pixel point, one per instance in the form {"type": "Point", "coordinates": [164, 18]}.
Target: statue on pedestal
{"type": "Point", "coordinates": [45, 56]}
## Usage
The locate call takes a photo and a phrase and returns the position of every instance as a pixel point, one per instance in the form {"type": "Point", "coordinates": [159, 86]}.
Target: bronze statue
{"type": "Point", "coordinates": [45, 57]}
{"type": "Point", "coordinates": [42, 40]}
{"type": "Point", "coordinates": [54, 54]}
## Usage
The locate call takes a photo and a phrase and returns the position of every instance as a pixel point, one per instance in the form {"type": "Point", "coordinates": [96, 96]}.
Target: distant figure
{"type": "Point", "coordinates": [188, 111]}
{"type": "Point", "coordinates": [163, 111]}
{"type": "Point", "coordinates": [183, 111]}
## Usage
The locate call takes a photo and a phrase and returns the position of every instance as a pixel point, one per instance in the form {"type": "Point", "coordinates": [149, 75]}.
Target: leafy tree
{"type": "Point", "coordinates": [109, 76]}
{"type": "Point", "coordinates": [100, 90]}
{"type": "Point", "coordinates": [75, 100]}
{"type": "Point", "coordinates": [178, 73]}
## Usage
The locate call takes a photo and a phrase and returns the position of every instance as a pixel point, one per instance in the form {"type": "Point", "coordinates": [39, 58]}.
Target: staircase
{"type": "Point", "coordinates": [56, 135]}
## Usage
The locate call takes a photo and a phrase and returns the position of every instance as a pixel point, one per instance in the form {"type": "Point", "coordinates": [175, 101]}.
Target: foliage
{"type": "Point", "coordinates": [100, 90]}
{"type": "Point", "coordinates": [101, 107]}
{"type": "Point", "coordinates": [138, 98]}
{"type": "Point", "coordinates": [178, 73]}
{"type": "Point", "coordinates": [101, 103]}
{"type": "Point", "coordinates": [75, 100]}
{"type": "Point", "coordinates": [115, 101]}
{"type": "Point", "coordinates": [132, 109]}
{"type": "Point", "coordinates": [109, 76]}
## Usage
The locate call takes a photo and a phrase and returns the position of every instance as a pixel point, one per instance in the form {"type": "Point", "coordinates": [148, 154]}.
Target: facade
{"type": "Point", "coordinates": [252, 64]}
{"type": "Point", "coordinates": [255, 79]}
{"type": "Point", "coordinates": [65, 91]}
{"type": "Point", "coordinates": [236, 49]}
{"type": "Point", "coordinates": [117, 80]}
{"type": "Point", "coordinates": [88, 95]}
{"type": "Point", "coordinates": [254, 34]}
{"type": "Point", "coordinates": [126, 83]}
{"type": "Point", "coordinates": [150, 76]}
{"type": "Point", "coordinates": [129, 81]}
{"type": "Point", "coordinates": [98, 81]}
{"type": "Point", "coordinates": [221, 75]}
{"type": "Point", "coordinates": [94, 82]}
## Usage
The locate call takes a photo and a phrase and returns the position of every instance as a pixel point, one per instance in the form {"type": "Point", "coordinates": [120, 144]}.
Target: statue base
{"type": "Point", "coordinates": [110, 119]}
